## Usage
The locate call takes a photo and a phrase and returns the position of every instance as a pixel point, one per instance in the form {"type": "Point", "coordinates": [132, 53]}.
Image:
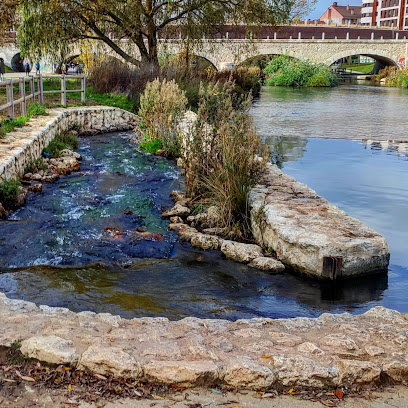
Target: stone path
{"type": "Point", "coordinates": [330, 351]}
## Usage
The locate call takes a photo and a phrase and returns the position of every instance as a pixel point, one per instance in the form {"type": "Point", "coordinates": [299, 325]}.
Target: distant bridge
{"type": "Point", "coordinates": [319, 44]}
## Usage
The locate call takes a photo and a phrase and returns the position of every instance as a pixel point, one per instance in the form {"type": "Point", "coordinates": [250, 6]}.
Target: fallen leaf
{"type": "Point", "coordinates": [339, 393]}
{"type": "Point", "coordinates": [266, 356]}
{"type": "Point", "coordinates": [100, 376]}
{"type": "Point", "coordinates": [69, 387]}
{"type": "Point", "coordinates": [156, 397]}
{"type": "Point", "coordinates": [177, 387]}
{"type": "Point", "coordinates": [291, 391]}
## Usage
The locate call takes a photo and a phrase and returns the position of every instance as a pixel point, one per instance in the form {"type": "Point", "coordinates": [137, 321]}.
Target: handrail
{"type": "Point", "coordinates": [36, 91]}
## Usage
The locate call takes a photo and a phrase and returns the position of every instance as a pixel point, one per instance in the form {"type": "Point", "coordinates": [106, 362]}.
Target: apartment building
{"type": "Point", "coordinates": [385, 13]}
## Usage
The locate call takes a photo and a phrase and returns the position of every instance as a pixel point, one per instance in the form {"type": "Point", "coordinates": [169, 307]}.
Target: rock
{"type": "Point", "coordinates": [3, 212]}
{"type": "Point", "coordinates": [28, 176]}
{"type": "Point", "coordinates": [176, 220]}
{"type": "Point", "coordinates": [374, 351]}
{"type": "Point", "coordinates": [51, 349]}
{"type": "Point", "coordinates": [267, 264]}
{"type": "Point", "coordinates": [177, 210]}
{"type": "Point", "coordinates": [180, 162]}
{"type": "Point", "coordinates": [214, 231]}
{"type": "Point", "coordinates": [309, 348]}
{"type": "Point", "coordinates": [70, 153]}
{"type": "Point", "coordinates": [241, 252]}
{"type": "Point", "coordinates": [50, 178]}
{"type": "Point", "coordinates": [183, 373]}
{"type": "Point", "coordinates": [36, 176]}
{"type": "Point", "coordinates": [303, 371]}
{"type": "Point", "coordinates": [36, 188]}
{"type": "Point", "coordinates": [110, 361]}
{"type": "Point", "coordinates": [196, 220]}
{"type": "Point", "coordinates": [178, 195]}
{"type": "Point", "coordinates": [203, 241]}
{"type": "Point", "coordinates": [310, 234]}
{"type": "Point", "coordinates": [21, 197]}
{"type": "Point", "coordinates": [243, 372]}
{"type": "Point", "coordinates": [285, 339]}
{"type": "Point", "coordinates": [340, 341]}
{"type": "Point", "coordinates": [397, 369]}
{"type": "Point", "coordinates": [160, 152]}
{"type": "Point", "coordinates": [357, 372]}
{"type": "Point", "coordinates": [213, 216]}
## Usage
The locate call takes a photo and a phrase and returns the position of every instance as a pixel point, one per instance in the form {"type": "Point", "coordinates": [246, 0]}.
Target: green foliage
{"type": "Point", "coordinates": [34, 165]}
{"type": "Point", "coordinates": [36, 109]}
{"type": "Point", "coordinates": [8, 192]}
{"type": "Point", "coordinates": [285, 71]}
{"type": "Point", "coordinates": [220, 160]}
{"type": "Point", "coordinates": [394, 77]}
{"type": "Point", "coordinates": [151, 146]}
{"type": "Point", "coordinates": [161, 106]}
{"type": "Point", "coordinates": [8, 125]}
{"type": "Point", "coordinates": [63, 141]}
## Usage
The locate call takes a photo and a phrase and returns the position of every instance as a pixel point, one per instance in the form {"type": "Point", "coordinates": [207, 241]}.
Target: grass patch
{"type": "Point", "coordinates": [8, 125]}
{"type": "Point", "coordinates": [8, 192]}
{"type": "Point", "coordinates": [63, 141]}
{"type": "Point", "coordinates": [363, 68]}
{"type": "Point", "coordinates": [36, 109]}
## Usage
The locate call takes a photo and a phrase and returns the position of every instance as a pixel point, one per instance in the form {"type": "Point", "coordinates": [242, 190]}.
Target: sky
{"type": "Point", "coordinates": [322, 5]}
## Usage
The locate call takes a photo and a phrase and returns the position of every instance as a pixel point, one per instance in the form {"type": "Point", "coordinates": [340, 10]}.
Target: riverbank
{"type": "Point", "coordinates": [258, 354]}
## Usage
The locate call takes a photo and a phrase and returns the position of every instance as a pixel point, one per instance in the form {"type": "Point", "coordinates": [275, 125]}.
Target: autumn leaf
{"type": "Point", "coordinates": [339, 393]}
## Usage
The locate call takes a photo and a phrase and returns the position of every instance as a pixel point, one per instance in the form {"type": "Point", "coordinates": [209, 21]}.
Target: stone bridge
{"type": "Point", "coordinates": [230, 52]}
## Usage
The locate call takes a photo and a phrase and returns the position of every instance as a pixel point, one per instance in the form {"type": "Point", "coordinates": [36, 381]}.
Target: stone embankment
{"type": "Point", "coordinates": [309, 233]}
{"type": "Point", "coordinates": [20, 147]}
{"type": "Point", "coordinates": [330, 351]}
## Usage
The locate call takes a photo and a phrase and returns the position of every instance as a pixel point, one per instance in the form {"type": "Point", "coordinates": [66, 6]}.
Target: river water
{"type": "Point", "coordinates": [94, 240]}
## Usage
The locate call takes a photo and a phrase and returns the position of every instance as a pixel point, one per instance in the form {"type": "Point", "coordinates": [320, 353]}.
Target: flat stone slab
{"type": "Point", "coordinates": [310, 234]}
{"type": "Point", "coordinates": [330, 351]}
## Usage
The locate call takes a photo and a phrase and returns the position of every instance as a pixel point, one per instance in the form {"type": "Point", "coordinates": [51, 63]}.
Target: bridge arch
{"type": "Point", "coordinates": [381, 56]}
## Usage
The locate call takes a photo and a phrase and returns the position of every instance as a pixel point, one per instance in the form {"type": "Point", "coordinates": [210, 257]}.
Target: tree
{"type": "Point", "coordinates": [8, 14]}
{"type": "Point", "coordinates": [51, 26]}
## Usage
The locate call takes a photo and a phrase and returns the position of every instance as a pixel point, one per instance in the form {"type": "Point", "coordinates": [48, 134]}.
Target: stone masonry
{"type": "Point", "coordinates": [330, 351]}
{"type": "Point", "coordinates": [21, 146]}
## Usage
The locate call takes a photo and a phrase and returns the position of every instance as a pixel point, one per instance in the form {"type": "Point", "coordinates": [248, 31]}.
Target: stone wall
{"type": "Point", "coordinates": [21, 146]}
{"type": "Point", "coordinates": [330, 351]}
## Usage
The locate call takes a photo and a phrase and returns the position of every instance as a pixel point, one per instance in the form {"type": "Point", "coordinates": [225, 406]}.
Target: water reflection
{"type": "Point", "coordinates": [193, 282]}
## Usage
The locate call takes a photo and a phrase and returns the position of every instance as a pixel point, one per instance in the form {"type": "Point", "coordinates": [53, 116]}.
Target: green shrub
{"type": "Point", "coordinates": [36, 109]}
{"type": "Point", "coordinates": [8, 192]}
{"type": "Point", "coordinates": [35, 165]}
{"type": "Point", "coordinates": [221, 163]}
{"type": "Point", "coordinates": [151, 146]}
{"type": "Point", "coordinates": [63, 141]}
{"type": "Point", "coordinates": [394, 77]}
{"type": "Point", "coordinates": [161, 106]}
{"type": "Point", "coordinates": [285, 71]}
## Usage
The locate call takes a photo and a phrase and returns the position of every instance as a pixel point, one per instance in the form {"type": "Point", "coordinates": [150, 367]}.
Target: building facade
{"type": "Point", "coordinates": [385, 13]}
{"type": "Point", "coordinates": [343, 15]}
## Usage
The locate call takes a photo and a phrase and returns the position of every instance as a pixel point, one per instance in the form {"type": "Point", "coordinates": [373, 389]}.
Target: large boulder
{"type": "Point", "coordinates": [267, 264]}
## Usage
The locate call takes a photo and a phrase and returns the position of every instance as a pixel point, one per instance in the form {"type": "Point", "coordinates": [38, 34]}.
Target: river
{"type": "Point", "coordinates": [60, 250]}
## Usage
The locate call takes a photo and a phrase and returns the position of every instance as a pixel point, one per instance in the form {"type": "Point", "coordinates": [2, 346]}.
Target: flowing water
{"type": "Point", "coordinates": [95, 240]}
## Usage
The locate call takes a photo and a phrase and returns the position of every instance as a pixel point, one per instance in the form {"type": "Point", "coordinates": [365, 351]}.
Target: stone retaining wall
{"type": "Point", "coordinates": [330, 351]}
{"type": "Point", "coordinates": [19, 147]}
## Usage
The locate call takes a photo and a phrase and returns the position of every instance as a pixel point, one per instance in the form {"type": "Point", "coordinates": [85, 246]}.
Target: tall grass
{"type": "Point", "coordinates": [221, 162]}
{"type": "Point", "coordinates": [394, 77]}
{"type": "Point", "coordinates": [285, 71]}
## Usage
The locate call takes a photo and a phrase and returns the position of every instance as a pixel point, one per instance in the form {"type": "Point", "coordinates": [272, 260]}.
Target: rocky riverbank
{"type": "Point", "coordinates": [330, 351]}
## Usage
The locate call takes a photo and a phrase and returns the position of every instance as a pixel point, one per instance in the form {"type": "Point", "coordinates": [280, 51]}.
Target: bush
{"type": "Point", "coordinates": [63, 141]}
{"type": "Point", "coordinates": [285, 71]}
{"type": "Point", "coordinates": [394, 77]}
{"type": "Point", "coordinates": [8, 125]}
{"type": "Point", "coordinates": [36, 109]}
{"type": "Point", "coordinates": [35, 165]}
{"type": "Point", "coordinates": [8, 192]}
{"type": "Point", "coordinates": [161, 106]}
{"type": "Point", "coordinates": [151, 146]}
{"type": "Point", "coordinates": [221, 163]}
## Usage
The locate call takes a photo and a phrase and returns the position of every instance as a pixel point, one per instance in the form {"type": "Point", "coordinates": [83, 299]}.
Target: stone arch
{"type": "Point", "coordinates": [268, 52]}
{"type": "Point", "coordinates": [382, 56]}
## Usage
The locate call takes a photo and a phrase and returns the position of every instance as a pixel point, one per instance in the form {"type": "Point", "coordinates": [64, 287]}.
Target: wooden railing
{"type": "Point", "coordinates": [36, 91]}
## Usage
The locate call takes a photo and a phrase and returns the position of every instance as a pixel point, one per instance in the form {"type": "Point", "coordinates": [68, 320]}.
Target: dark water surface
{"type": "Point", "coordinates": [62, 248]}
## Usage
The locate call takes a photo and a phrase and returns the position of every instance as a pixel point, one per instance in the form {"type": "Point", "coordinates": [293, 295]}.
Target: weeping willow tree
{"type": "Point", "coordinates": [8, 16]}
{"type": "Point", "coordinates": [50, 27]}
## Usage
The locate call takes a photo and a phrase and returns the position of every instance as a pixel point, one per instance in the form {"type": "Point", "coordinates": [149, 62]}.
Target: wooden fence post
{"type": "Point", "coordinates": [83, 89]}
{"type": "Point", "coordinates": [41, 89]}
{"type": "Point", "coordinates": [23, 104]}
{"type": "Point", "coordinates": [32, 88]}
{"type": "Point", "coordinates": [10, 98]}
{"type": "Point", "coordinates": [63, 91]}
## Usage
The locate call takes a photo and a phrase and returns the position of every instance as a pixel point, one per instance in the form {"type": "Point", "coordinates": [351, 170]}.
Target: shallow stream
{"type": "Point", "coordinates": [95, 240]}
